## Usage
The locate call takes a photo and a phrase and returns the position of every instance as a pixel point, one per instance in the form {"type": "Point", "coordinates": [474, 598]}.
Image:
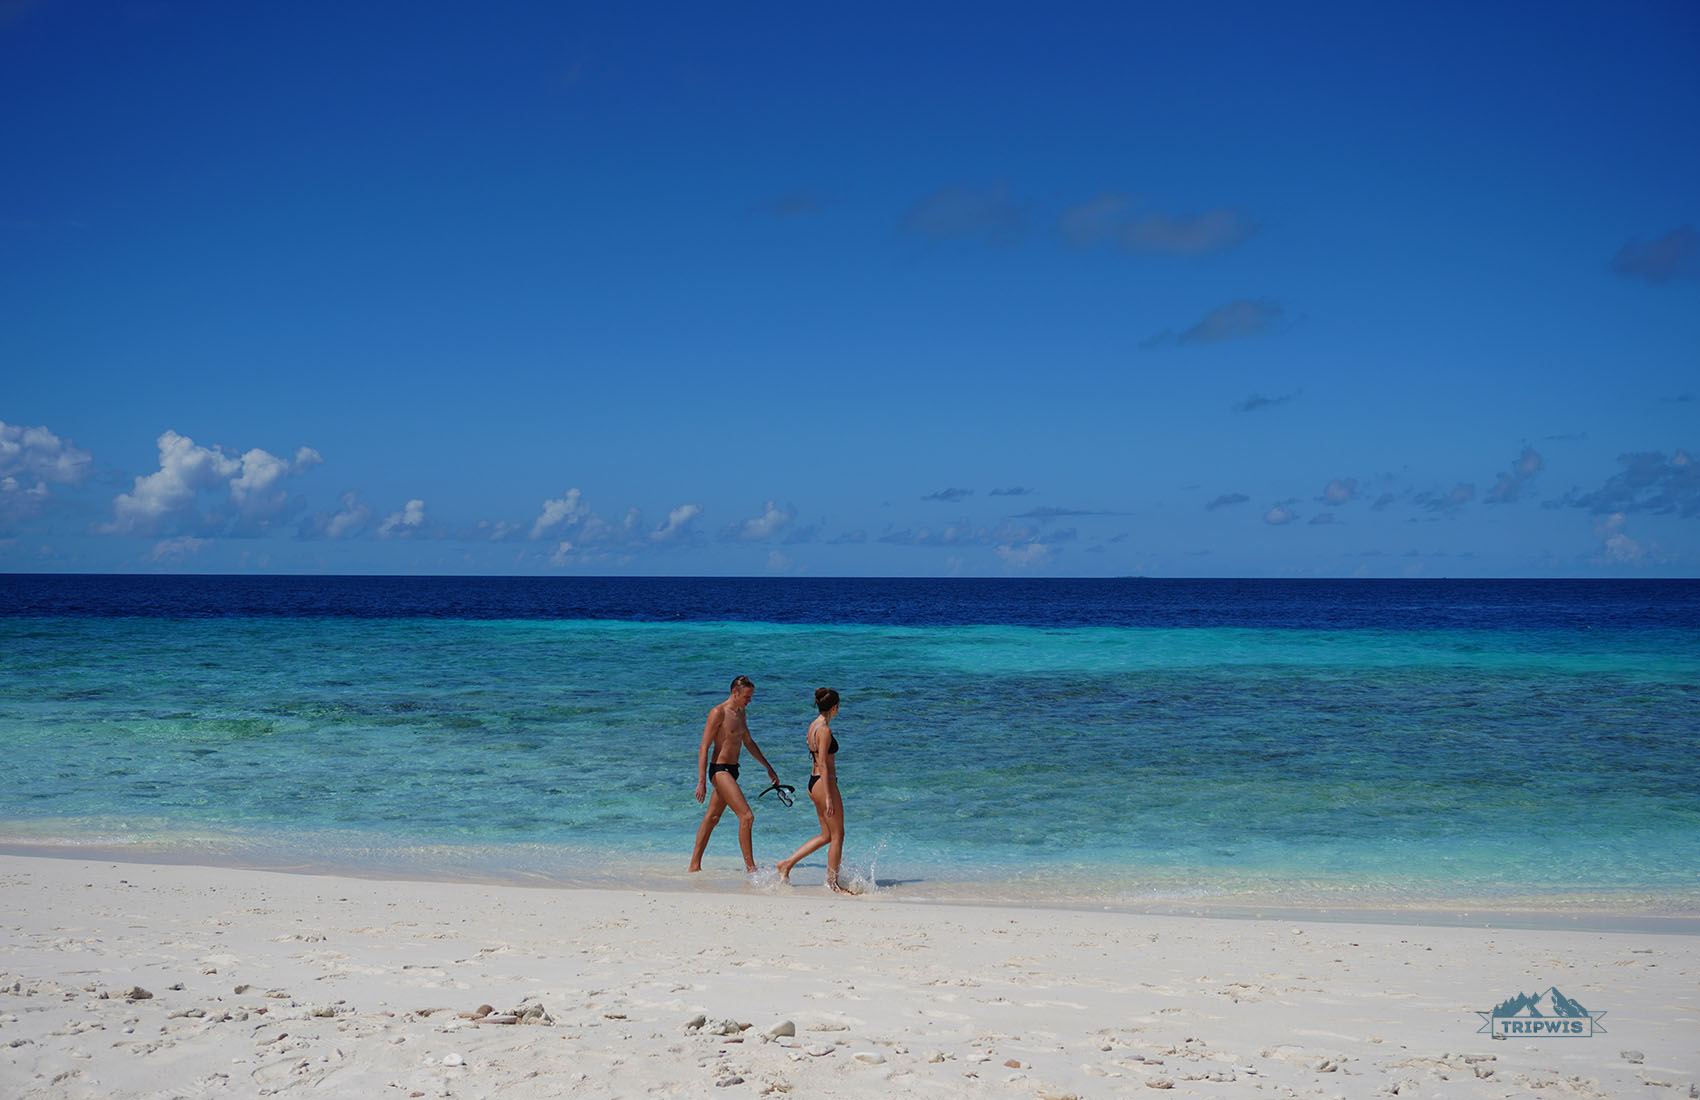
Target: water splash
{"type": "Point", "coordinates": [858, 881]}
{"type": "Point", "coordinates": [766, 878]}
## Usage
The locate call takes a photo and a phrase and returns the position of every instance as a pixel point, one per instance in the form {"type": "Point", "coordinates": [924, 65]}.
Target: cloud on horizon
{"type": "Point", "coordinates": [677, 525]}
{"type": "Point", "coordinates": [949, 496]}
{"type": "Point", "coordinates": [406, 523]}
{"type": "Point", "coordinates": [166, 500]}
{"type": "Point", "coordinates": [350, 521]}
{"type": "Point", "coordinates": [174, 551]}
{"type": "Point", "coordinates": [1227, 500]}
{"type": "Point", "coordinates": [1023, 557]}
{"type": "Point", "coordinates": [772, 520]}
{"type": "Point", "coordinates": [963, 533]}
{"type": "Point", "coordinates": [1049, 513]}
{"type": "Point", "coordinates": [31, 461]}
{"type": "Point", "coordinates": [569, 509]}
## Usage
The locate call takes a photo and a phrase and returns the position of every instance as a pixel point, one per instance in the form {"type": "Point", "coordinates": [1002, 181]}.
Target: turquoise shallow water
{"type": "Point", "coordinates": [1517, 768]}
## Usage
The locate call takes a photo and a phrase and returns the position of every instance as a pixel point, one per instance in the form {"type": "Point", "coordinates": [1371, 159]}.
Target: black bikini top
{"type": "Point", "coordinates": [831, 749]}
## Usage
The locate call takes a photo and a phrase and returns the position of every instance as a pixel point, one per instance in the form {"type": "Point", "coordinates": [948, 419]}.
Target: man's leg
{"type": "Point", "coordinates": [710, 818]}
{"type": "Point", "coordinates": [727, 790]}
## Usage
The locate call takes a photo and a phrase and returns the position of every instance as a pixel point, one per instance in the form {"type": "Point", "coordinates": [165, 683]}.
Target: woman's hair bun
{"type": "Point", "coordinates": [825, 699]}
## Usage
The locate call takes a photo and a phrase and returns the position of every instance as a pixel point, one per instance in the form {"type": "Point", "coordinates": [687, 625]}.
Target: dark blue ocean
{"type": "Point", "coordinates": [1216, 744]}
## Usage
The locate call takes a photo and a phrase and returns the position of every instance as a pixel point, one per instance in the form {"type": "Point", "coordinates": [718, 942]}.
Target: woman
{"type": "Point", "coordinates": [823, 790]}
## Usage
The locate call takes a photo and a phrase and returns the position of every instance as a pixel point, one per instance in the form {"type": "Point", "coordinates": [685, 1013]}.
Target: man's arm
{"type": "Point", "coordinates": [755, 751]}
{"type": "Point", "coordinates": [709, 729]}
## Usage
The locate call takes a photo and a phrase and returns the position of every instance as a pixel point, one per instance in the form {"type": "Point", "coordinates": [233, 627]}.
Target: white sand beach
{"type": "Point", "coordinates": [138, 980]}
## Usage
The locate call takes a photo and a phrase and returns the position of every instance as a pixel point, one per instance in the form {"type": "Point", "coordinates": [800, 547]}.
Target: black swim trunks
{"type": "Point", "coordinates": [731, 769]}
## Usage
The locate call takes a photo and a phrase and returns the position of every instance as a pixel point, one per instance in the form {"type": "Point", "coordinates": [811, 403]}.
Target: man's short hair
{"type": "Point", "coordinates": [742, 682]}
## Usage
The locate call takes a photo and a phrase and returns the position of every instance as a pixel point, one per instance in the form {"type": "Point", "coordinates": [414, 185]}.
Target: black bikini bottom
{"type": "Point", "coordinates": [730, 769]}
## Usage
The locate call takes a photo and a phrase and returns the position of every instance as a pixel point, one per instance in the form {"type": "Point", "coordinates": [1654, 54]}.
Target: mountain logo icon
{"type": "Point", "coordinates": [1540, 1015]}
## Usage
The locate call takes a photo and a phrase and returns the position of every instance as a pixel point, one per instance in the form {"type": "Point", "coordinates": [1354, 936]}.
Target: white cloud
{"type": "Point", "coordinates": [678, 521]}
{"type": "Point", "coordinates": [174, 550]}
{"type": "Point", "coordinates": [1279, 516]}
{"type": "Point", "coordinates": [1340, 490]}
{"type": "Point", "coordinates": [353, 518]}
{"type": "Point", "coordinates": [37, 455]}
{"type": "Point", "coordinates": [766, 525]}
{"type": "Point", "coordinates": [19, 501]}
{"type": "Point", "coordinates": [1618, 548]}
{"type": "Point", "coordinates": [570, 510]}
{"type": "Point", "coordinates": [1024, 557]}
{"type": "Point", "coordinates": [409, 521]}
{"type": "Point", "coordinates": [256, 492]}
{"type": "Point", "coordinates": [186, 469]}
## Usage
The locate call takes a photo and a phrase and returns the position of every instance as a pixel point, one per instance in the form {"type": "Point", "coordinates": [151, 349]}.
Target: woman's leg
{"type": "Point", "coordinates": [813, 844]}
{"type": "Point", "coordinates": [834, 827]}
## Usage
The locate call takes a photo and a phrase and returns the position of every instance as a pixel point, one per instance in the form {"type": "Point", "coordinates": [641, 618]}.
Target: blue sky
{"type": "Point", "coordinates": [1164, 289]}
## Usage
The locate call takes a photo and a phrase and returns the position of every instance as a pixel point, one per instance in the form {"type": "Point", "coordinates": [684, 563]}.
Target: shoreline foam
{"type": "Point", "coordinates": [1582, 912]}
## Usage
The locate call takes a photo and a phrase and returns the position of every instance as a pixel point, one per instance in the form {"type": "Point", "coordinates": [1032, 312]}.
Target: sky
{"type": "Point", "coordinates": [1161, 289]}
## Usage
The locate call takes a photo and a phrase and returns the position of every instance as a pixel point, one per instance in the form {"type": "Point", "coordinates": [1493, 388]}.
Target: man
{"type": "Point", "coordinates": [724, 736]}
